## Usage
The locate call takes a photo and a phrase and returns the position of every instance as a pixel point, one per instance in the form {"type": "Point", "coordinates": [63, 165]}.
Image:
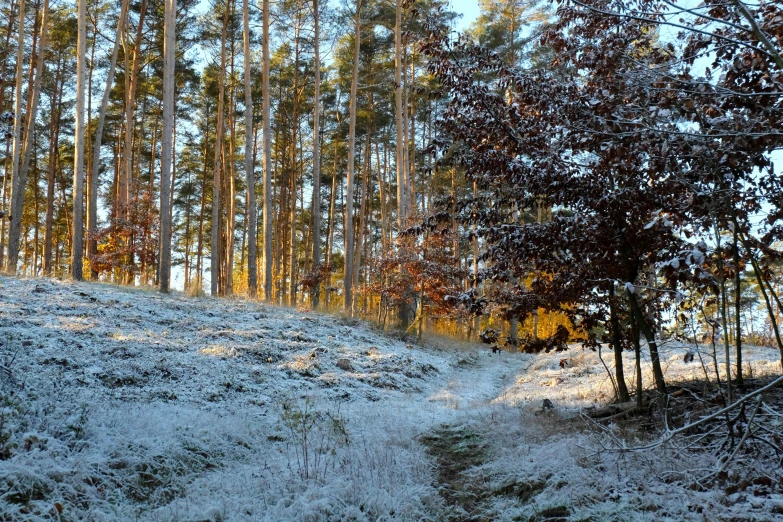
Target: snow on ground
{"type": "Point", "coordinates": [122, 404]}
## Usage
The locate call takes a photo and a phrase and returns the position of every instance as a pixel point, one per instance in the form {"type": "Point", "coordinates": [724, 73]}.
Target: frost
{"type": "Point", "coordinates": [175, 408]}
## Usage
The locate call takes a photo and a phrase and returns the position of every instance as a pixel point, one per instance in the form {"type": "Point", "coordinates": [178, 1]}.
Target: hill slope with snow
{"type": "Point", "coordinates": [122, 404]}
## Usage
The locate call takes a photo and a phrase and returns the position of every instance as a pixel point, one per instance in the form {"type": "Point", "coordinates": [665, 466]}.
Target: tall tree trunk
{"type": "Point", "coordinates": [37, 61]}
{"type": "Point", "coordinates": [215, 254]}
{"type": "Point", "coordinates": [251, 208]}
{"type": "Point", "coordinates": [267, 216]}
{"type": "Point", "coordinates": [333, 194]}
{"type": "Point", "coordinates": [399, 117]}
{"type": "Point", "coordinates": [92, 214]}
{"type": "Point", "coordinates": [32, 112]}
{"type": "Point", "coordinates": [131, 82]}
{"type": "Point", "coordinates": [362, 210]}
{"type": "Point", "coordinates": [54, 139]}
{"type": "Point", "coordinates": [230, 170]}
{"type": "Point", "coordinates": [316, 200]}
{"type": "Point", "coordinates": [78, 159]}
{"type": "Point", "coordinates": [411, 163]}
{"type": "Point", "coordinates": [292, 259]}
{"type": "Point", "coordinates": [8, 34]}
{"type": "Point", "coordinates": [202, 219]}
{"type": "Point", "coordinates": [330, 223]}
{"type": "Point", "coordinates": [381, 197]}
{"type": "Point", "coordinates": [167, 143]}
{"type": "Point", "coordinates": [17, 184]}
{"type": "Point", "coordinates": [348, 225]}
{"type": "Point", "coordinates": [36, 192]}
{"type": "Point", "coordinates": [88, 150]}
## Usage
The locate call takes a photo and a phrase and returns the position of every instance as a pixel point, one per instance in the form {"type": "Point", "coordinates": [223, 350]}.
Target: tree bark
{"type": "Point", "coordinates": [723, 310]}
{"type": "Point", "coordinates": [215, 254]}
{"type": "Point", "coordinates": [17, 185]}
{"type": "Point", "coordinates": [230, 170]}
{"type": "Point", "coordinates": [622, 388]}
{"type": "Point", "coordinates": [167, 140]}
{"type": "Point", "coordinates": [737, 308]}
{"type": "Point", "coordinates": [32, 112]}
{"type": "Point", "coordinates": [92, 215]}
{"type": "Point", "coordinates": [399, 117]}
{"type": "Point", "coordinates": [360, 238]}
{"type": "Point", "coordinates": [293, 171]}
{"type": "Point", "coordinates": [54, 140]}
{"type": "Point", "coordinates": [250, 207]}
{"type": "Point", "coordinates": [316, 200]}
{"type": "Point", "coordinates": [8, 34]}
{"type": "Point", "coordinates": [131, 82]}
{"type": "Point", "coordinates": [348, 225]}
{"type": "Point", "coordinates": [644, 327]}
{"type": "Point", "coordinates": [78, 160]}
{"type": "Point", "coordinates": [267, 213]}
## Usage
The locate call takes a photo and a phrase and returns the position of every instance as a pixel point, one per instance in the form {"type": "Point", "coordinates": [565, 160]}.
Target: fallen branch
{"type": "Point", "coordinates": [739, 446]}
{"type": "Point", "coordinates": [625, 413]}
{"type": "Point", "coordinates": [670, 434]}
{"type": "Point", "coordinates": [612, 410]}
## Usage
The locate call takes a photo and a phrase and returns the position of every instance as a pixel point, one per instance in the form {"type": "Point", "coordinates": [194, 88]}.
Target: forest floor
{"type": "Point", "coordinates": [123, 404]}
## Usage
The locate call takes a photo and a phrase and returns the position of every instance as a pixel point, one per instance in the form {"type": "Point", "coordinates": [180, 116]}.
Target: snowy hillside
{"type": "Point", "coordinates": [121, 404]}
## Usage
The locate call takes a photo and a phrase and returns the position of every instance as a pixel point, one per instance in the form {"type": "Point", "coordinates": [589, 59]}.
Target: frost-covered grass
{"type": "Point", "coordinates": [121, 404]}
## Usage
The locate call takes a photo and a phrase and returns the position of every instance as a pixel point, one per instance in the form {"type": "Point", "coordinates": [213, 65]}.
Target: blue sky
{"type": "Point", "coordinates": [469, 10]}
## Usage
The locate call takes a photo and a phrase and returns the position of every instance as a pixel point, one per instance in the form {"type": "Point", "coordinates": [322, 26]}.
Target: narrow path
{"type": "Point", "coordinates": [455, 450]}
{"type": "Point", "coordinates": [458, 445]}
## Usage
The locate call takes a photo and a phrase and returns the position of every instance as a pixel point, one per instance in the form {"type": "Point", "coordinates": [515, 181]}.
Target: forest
{"type": "Point", "coordinates": [574, 194]}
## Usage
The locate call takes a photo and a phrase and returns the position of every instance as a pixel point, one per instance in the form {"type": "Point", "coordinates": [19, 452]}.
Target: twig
{"type": "Point", "coordinates": [739, 446]}
{"type": "Point", "coordinates": [624, 413]}
{"type": "Point", "coordinates": [603, 429]}
{"type": "Point", "coordinates": [673, 433]}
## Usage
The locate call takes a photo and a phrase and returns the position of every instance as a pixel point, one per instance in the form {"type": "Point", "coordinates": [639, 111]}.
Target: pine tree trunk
{"type": "Point", "coordinates": [8, 34]}
{"type": "Point", "coordinates": [17, 187]}
{"type": "Point", "coordinates": [293, 173]}
{"type": "Point", "coordinates": [167, 143]}
{"type": "Point", "coordinates": [230, 170]}
{"type": "Point", "coordinates": [131, 82]}
{"type": "Point", "coordinates": [36, 193]}
{"type": "Point", "coordinates": [215, 253]}
{"type": "Point", "coordinates": [399, 117]}
{"type": "Point", "coordinates": [330, 223]}
{"type": "Point", "coordinates": [54, 140]}
{"type": "Point", "coordinates": [78, 160]}
{"type": "Point", "coordinates": [362, 211]}
{"type": "Point", "coordinates": [201, 220]}
{"type": "Point", "coordinates": [316, 200]}
{"type": "Point", "coordinates": [267, 211]}
{"type": "Point", "coordinates": [381, 197]}
{"type": "Point", "coordinates": [412, 133]}
{"type": "Point", "coordinates": [250, 207]}
{"type": "Point", "coordinates": [348, 225]}
{"type": "Point", "coordinates": [32, 112]}
{"type": "Point", "coordinates": [92, 215]}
